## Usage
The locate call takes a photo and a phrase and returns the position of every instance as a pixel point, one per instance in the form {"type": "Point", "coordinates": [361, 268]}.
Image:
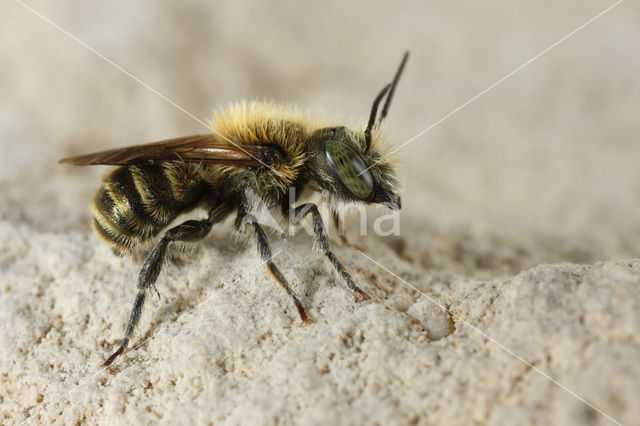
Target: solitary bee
{"type": "Point", "coordinates": [256, 153]}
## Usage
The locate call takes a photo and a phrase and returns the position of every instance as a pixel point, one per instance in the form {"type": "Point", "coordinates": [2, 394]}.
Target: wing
{"type": "Point", "coordinates": [206, 148]}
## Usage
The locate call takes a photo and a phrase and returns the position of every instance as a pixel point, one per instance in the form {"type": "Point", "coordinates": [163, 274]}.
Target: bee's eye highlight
{"type": "Point", "coordinates": [349, 168]}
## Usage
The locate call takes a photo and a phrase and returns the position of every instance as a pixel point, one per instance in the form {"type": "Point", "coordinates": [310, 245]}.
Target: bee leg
{"type": "Point", "coordinates": [339, 224]}
{"type": "Point", "coordinates": [189, 231]}
{"type": "Point", "coordinates": [265, 253]}
{"type": "Point", "coordinates": [322, 240]}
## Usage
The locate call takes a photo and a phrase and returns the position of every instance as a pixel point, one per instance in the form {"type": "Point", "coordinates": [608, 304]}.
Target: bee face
{"type": "Point", "coordinates": [342, 165]}
{"type": "Point", "coordinates": [349, 164]}
{"type": "Point", "coordinates": [348, 167]}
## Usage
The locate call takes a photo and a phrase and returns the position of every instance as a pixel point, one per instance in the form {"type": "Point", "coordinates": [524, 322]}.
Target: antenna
{"type": "Point", "coordinates": [388, 90]}
{"type": "Point", "coordinates": [372, 117]}
{"type": "Point", "coordinates": [387, 103]}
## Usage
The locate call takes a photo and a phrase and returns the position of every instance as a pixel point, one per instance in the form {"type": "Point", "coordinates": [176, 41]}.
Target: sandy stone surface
{"type": "Point", "coordinates": [510, 296]}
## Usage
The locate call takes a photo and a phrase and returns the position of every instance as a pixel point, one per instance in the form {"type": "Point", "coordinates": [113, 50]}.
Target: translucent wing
{"type": "Point", "coordinates": [207, 148]}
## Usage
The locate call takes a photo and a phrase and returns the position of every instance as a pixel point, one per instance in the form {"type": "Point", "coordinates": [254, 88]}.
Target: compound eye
{"type": "Point", "coordinates": [347, 165]}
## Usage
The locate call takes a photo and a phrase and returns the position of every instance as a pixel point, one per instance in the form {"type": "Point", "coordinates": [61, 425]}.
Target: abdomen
{"type": "Point", "coordinates": [136, 202]}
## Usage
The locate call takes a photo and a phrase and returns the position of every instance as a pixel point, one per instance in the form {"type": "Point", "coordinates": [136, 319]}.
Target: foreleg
{"type": "Point", "coordinates": [322, 240]}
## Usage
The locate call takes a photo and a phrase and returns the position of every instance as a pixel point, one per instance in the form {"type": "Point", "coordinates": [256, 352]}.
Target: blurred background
{"type": "Point", "coordinates": [541, 168]}
{"type": "Point", "coordinates": [551, 152]}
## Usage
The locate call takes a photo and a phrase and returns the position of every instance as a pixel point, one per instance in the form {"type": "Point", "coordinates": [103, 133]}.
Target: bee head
{"type": "Point", "coordinates": [350, 164]}
{"type": "Point", "coordinates": [343, 168]}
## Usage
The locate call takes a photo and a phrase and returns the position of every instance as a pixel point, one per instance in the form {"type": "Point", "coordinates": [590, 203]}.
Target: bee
{"type": "Point", "coordinates": [256, 153]}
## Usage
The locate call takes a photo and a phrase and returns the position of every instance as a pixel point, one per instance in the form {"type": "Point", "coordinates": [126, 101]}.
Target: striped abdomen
{"type": "Point", "coordinates": [136, 202]}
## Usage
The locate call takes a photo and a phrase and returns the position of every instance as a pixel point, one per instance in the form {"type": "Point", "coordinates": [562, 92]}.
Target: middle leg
{"type": "Point", "coordinates": [265, 253]}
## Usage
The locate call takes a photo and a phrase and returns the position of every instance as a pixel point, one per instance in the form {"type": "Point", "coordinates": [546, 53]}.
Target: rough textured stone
{"type": "Point", "coordinates": [520, 217]}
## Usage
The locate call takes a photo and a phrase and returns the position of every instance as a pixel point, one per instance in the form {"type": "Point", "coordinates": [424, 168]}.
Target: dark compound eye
{"type": "Point", "coordinates": [347, 165]}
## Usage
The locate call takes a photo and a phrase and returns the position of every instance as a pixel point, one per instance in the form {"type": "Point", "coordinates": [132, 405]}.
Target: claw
{"type": "Point", "coordinates": [156, 290]}
{"type": "Point", "coordinates": [109, 360]}
{"type": "Point", "coordinates": [362, 294]}
{"type": "Point", "coordinates": [303, 315]}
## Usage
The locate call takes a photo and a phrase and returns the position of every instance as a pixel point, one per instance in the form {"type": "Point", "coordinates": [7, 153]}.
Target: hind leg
{"type": "Point", "coordinates": [189, 231]}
